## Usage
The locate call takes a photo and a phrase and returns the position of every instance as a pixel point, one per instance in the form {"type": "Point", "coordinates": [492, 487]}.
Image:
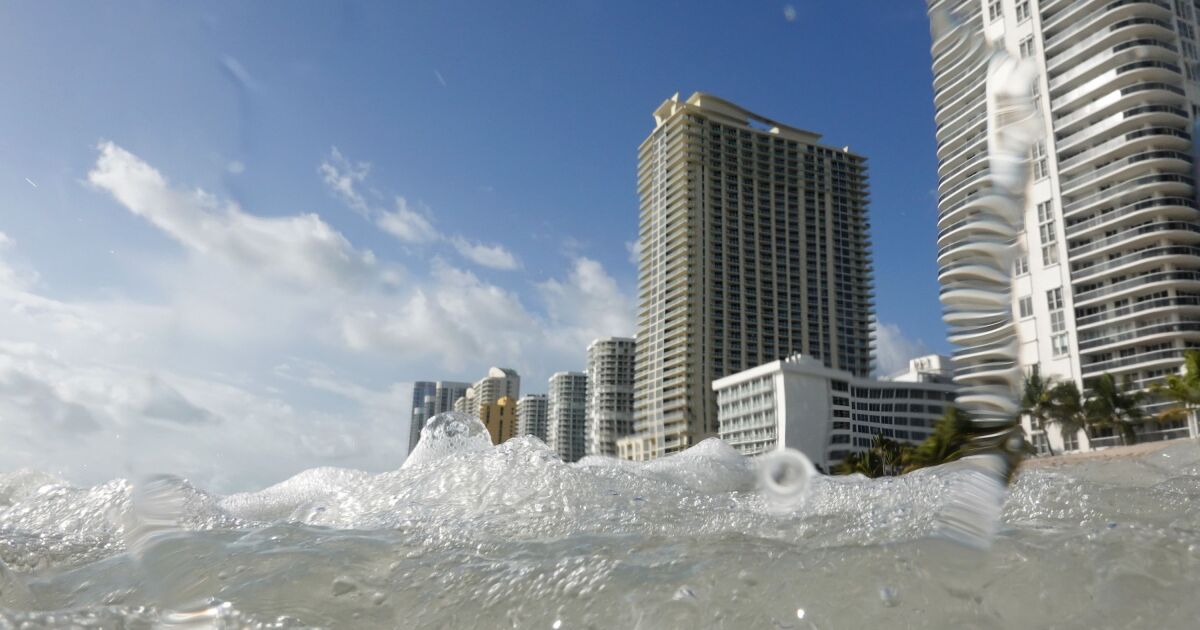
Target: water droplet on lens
{"type": "Point", "coordinates": [785, 478]}
{"type": "Point", "coordinates": [889, 596]}
{"type": "Point", "coordinates": [799, 613]}
{"type": "Point", "coordinates": [557, 624]}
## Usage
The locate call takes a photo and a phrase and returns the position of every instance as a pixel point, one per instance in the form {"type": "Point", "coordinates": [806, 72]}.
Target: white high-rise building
{"type": "Point", "coordinates": [566, 416]}
{"type": "Point", "coordinates": [1111, 282]}
{"type": "Point", "coordinates": [531, 416]}
{"type": "Point", "coordinates": [753, 247]}
{"type": "Point", "coordinates": [499, 383]}
{"type": "Point", "coordinates": [828, 414]}
{"type": "Point", "coordinates": [430, 399]}
{"type": "Point", "coordinates": [609, 393]}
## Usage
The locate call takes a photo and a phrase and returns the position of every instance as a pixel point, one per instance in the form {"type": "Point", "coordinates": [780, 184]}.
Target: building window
{"type": "Point", "coordinates": [1021, 266]}
{"type": "Point", "coordinates": [1039, 160]}
{"type": "Point", "coordinates": [1025, 306]}
{"type": "Point", "coordinates": [1022, 10]}
{"type": "Point", "coordinates": [994, 12]}
{"type": "Point", "coordinates": [1026, 47]}
{"type": "Point", "coordinates": [1048, 231]}
{"type": "Point", "coordinates": [1060, 344]}
{"type": "Point", "coordinates": [1054, 299]}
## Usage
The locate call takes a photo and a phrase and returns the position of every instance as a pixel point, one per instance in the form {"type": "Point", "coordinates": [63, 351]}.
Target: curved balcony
{"type": "Point", "coordinates": [1117, 10]}
{"type": "Point", "coordinates": [1124, 145]}
{"type": "Point", "coordinates": [1145, 359]}
{"type": "Point", "coordinates": [945, 112]}
{"type": "Point", "coordinates": [972, 272]}
{"type": "Point", "coordinates": [1181, 303]}
{"type": "Point", "coordinates": [967, 167]}
{"type": "Point", "coordinates": [1161, 183]}
{"type": "Point", "coordinates": [983, 223]}
{"type": "Point", "coordinates": [1168, 99]}
{"type": "Point", "coordinates": [981, 334]}
{"type": "Point", "coordinates": [1144, 71]}
{"type": "Point", "coordinates": [1121, 123]}
{"type": "Point", "coordinates": [965, 138]}
{"type": "Point", "coordinates": [962, 190]}
{"type": "Point", "coordinates": [972, 202]}
{"type": "Point", "coordinates": [1154, 332]}
{"type": "Point", "coordinates": [1170, 207]}
{"type": "Point", "coordinates": [1129, 50]}
{"type": "Point", "coordinates": [1178, 231]}
{"type": "Point", "coordinates": [1107, 36]}
{"type": "Point", "coordinates": [1140, 284]}
{"type": "Point", "coordinates": [991, 369]}
{"type": "Point", "coordinates": [993, 352]}
{"type": "Point", "coordinates": [1164, 159]}
{"type": "Point", "coordinates": [1130, 261]}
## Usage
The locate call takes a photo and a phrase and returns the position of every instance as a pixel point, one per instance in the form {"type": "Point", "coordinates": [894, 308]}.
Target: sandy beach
{"type": "Point", "coordinates": [1111, 453]}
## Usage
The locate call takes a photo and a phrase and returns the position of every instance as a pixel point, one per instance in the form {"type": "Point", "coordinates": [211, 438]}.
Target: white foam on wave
{"type": "Point", "coordinates": [470, 534]}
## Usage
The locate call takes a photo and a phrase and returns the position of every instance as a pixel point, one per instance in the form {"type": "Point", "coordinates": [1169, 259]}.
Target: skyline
{"type": "Point", "coordinates": [135, 319]}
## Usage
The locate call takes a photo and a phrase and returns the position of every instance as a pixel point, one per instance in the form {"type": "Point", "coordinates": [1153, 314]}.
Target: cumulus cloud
{"type": "Point", "coordinates": [406, 224]}
{"type": "Point", "coordinates": [274, 345]}
{"type": "Point", "coordinates": [300, 249]}
{"type": "Point", "coordinates": [493, 256]}
{"type": "Point", "coordinates": [893, 349]}
{"type": "Point", "coordinates": [345, 178]}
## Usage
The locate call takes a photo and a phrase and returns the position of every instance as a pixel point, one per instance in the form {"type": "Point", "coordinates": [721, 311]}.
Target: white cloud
{"type": "Point", "coordinates": [493, 256]}
{"type": "Point", "coordinates": [407, 225]}
{"type": "Point", "coordinates": [410, 226]}
{"type": "Point", "coordinates": [586, 305]}
{"type": "Point", "coordinates": [236, 167]}
{"type": "Point", "coordinates": [344, 177]}
{"type": "Point", "coordinates": [893, 349]}
{"type": "Point", "coordinates": [272, 346]}
{"type": "Point", "coordinates": [634, 249]}
{"type": "Point", "coordinates": [300, 249]}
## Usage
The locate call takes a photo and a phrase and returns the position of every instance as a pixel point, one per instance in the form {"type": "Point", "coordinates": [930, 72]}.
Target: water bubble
{"type": "Point", "coordinates": [343, 585]}
{"type": "Point", "coordinates": [889, 596]}
{"type": "Point", "coordinates": [557, 624]}
{"type": "Point", "coordinates": [785, 478]}
{"type": "Point", "coordinates": [684, 594]}
{"type": "Point", "coordinates": [448, 434]}
{"type": "Point", "coordinates": [800, 613]}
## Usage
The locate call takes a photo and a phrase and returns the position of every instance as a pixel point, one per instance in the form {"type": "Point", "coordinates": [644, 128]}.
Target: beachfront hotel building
{"type": "Point", "coordinates": [566, 415]}
{"type": "Point", "coordinates": [500, 418]}
{"type": "Point", "coordinates": [531, 416]}
{"type": "Point", "coordinates": [827, 414]}
{"type": "Point", "coordinates": [1111, 279]}
{"type": "Point", "coordinates": [429, 399]}
{"type": "Point", "coordinates": [753, 246]}
{"type": "Point", "coordinates": [498, 383]}
{"type": "Point", "coordinates": [609, 393]}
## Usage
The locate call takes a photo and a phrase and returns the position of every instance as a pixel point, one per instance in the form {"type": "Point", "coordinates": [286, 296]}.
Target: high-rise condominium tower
{"type": "Point", "coordinates": [1111, 282]}
{"type": "Point", "coordinates": [567, 415]}
{"type": "Point", "coordinates": [609, 393]}
{"type": "Point", "coordinates": [430, 399]}
{"type": "Point", "coordinates": [500, 418]}
{"type": "Point", "coordinates": [498, 383]}
{"type": "Point", "coordinates": [753, 247]}
{"type": "Point", "coordinates": [531, 416]}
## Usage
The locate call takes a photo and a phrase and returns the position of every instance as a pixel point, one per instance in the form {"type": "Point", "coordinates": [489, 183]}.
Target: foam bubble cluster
{"type": "Point", "coordinates": [485, 536]}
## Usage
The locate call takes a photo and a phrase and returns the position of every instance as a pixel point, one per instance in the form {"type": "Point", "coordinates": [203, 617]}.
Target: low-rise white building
{"type": "Point", "coordinates": [828, 414]}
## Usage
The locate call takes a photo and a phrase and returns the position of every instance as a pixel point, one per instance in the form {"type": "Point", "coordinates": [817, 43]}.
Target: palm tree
{"type": "Point", "coordinates": [1037, 402]}
{"type": "Point", "coordinates": [885, 458]}
{"type": "Point", "coordinates": [1114, 406]}
{"type": "Point", "coordinates": [1068, 409]}
{"type": "Point", "coordinates": [1184, 389]}
{"type": "Point", "coordinates": [949, 441]}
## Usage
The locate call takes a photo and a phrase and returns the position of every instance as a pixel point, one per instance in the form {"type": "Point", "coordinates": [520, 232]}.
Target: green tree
{"type": "Point", "coordinates": [1115, 406]}
{"type": "Point", "coordinates": [1037, 402]}
{"type": "Point", "coordinates": [1068, 410]}
{"type": "Point", "coordinates": [1183, 389]}
{"type": "Point", "coordinates": [950, 440]}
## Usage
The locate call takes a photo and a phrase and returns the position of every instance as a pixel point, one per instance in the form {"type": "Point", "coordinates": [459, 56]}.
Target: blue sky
{"type": "Point", "coordinates": [232, 234]}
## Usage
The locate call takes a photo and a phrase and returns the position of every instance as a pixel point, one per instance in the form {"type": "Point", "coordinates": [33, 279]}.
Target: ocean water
{"type": "Point", "coordinates": [467, 535]}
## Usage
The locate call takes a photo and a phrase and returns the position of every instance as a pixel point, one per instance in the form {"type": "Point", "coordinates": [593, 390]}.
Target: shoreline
{"type": "Point", "coordinates": [1111, 453]}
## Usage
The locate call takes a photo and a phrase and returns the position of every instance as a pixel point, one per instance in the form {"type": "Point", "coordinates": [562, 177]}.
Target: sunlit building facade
{"type": "Point", "coordinates": [531, 416]}
{"type": "Point", "coordinates": [609, 393]}
{"type": "Point", "coordinates": [1111, 279]}
{"type": "Point", "coordinates": [566, 416]}
{"type": "Point", "coordinates": [753, 247]}
{"type": "Point", "coordinates": [827, 414]}
{"type": "Point", "coordinates": [500, 418]}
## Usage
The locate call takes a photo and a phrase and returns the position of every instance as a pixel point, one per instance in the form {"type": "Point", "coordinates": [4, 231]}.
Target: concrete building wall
{"type": "Point", "coordinates": [532, 416]}
{"type": "Point", "coordinates": [567, 415]}
{"type": "Point", "coordinates": [610, 376]}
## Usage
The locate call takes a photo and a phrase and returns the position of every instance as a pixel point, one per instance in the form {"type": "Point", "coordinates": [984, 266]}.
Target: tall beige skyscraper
{"type": "Point", "coordinates": [1111, 280]}
{"type": "Point", "coordinates": [753, 247]}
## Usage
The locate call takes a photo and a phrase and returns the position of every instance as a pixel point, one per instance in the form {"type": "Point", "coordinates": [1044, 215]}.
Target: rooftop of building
{"type": "Point", "coordinates": [732, 114]}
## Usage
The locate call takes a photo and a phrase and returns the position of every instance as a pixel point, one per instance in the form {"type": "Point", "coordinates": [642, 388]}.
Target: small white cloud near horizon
{"type": "Point", "coordinates": [893, 349]}
{"type": "Point", "coordinates": [789, 12]}
{"type": "Point", "coordinates": [634, 249]}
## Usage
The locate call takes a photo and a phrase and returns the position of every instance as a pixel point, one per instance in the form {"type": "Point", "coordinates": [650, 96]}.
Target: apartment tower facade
{"type": "Point", "coordinates": [566, 416]}
{"type": "Point", "coordinates": [1111, 279]}
{"type": "Point", "coordinates": [531, 416]}
{"type": "Point", "coordinates": [753, 247]}
{"type": "Point", "coordinates": [609, 393]}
